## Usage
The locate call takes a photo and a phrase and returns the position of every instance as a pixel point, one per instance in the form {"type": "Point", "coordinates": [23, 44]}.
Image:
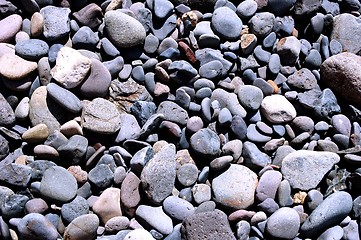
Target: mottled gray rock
{"type": "Point", "coordinates": [32, 49]}
{"type": "Point", "coordinates": [303, 79]}
{"type": "Point", "coordinates": [250, 96]}
{"type": "Point", "coordinates": [177, 208]}
{"type": "Point", "coordinates": [56, 22]}
{"type": "Point", "coordinates": [205, 143]}
{"type": "Point", "coordinates": [129, 128]}
{"type": "Point", "coordinates": [305, 169]}
{"type": "Point", "coordinates": [329, 213]}
{"type": "Point", "coordinates": [101, 116]}
{"type": "Point", "coordinates": [58, 185]}
{"type": "Point", "coordinates": [82, 227]}
{"type": "Point", "coordinates": [15, 174]}
{"type": "Point", "coordinates": [253, 157]}
{"type": "Point", "coordinates": [158, 175]}
{"type": "Point", "coordinates": [7, 115]}
{"type": "Point", "coordinates": [156, 218]}
{"type": "Point", "coordinates": [289, 49]}
{"type": "Point", "coordinates": [228, 186]}
{"type": "Point", "coordinates": [173, 112]}
{"type": "Point", "coordinates": [123, 30]}
{"type": "Point", "coordinates": [229, 101]}
{"type": "Point", "coordinates": [76, 208]}
{"type": "Point", "coordinates": [209, 225]}
{"type": "Point", "coordinates": [261, 24]}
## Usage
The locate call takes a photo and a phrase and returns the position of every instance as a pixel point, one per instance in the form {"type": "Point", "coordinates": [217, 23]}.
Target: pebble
{"type": "Point", "coordinates": [58, 185]}
{"type": "Point", "coordinates": [7, 113]}
{"type": "Point", "coordinates": [177, 208]}
{"type": "Point", "coordinates": [284, 223]}
{"type": "Point", "coordinates": [250, 97]}
{"type": "Point", "coordinates": [35, 226]}
{"type": "Point", "coordinates": [253, 157]}
{"type": "Point", "coordinates": [289, 49]}
{"type": "Point", "coordinates": [159, 174]}
{"type": "Point", "coordinates": [139, 234]}
{"type": "Point", "coordinates": [9, 26]}
{"type": "Point", "coordinates": [303, 79]}
{"type": "Point", "coordinates": [201, 193]}
{"type": "Point", "coordinates": [268, 185]}
{"type": "Point", "coordinates": [261, 24]}
{"type": "Point", "coordinates": [247, 9]}
{"type": "Point", "coordinates": [16, 174]}
{"type": "Point", "coordinates": [148, 214]}
{"type": "Point", "coordinates": [277, 109]}
{"type": "Point", "coordinates": [64, 98]}
{"type": "Point", "coordinates": [71, 67]}
{"type": "Point", "coordinates": [330, 212]}
{"type": "Point", "coordinates": [205, 143]}
{"type": "Point", "coordinates": [313, 168]}
{"type": "Point", "coordinates": [229, 28]}
{"type": "Point", "coordinates": [32, 49]}
{"type": "Point", "coordinates": [76, 208]}
{"type": "Point", "coordinates": [173, 112]}
{"type": "Point", "coordinates": [225, 187]}
{"type": "Point", "coordinates": [187, 174]}
{"type": "Point", "coordinates": [15, 68]}
{"type": "Point", "coordinates": [82, 227]}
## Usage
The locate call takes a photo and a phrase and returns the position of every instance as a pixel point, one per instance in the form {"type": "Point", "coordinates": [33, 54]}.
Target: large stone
{"type": "Point", "coordinates": [71, 67]}
{"type": "Point", "coordinates": [305, 169]}
{"type": "Point", "coordinates": [123, 30]}
{"type": "Point", "coordinates": [158, 176]}
{"type": "Point", "coordinates": [277, 109]}
{"type": "Point", "coordinates": [9, 26]}
{"type": "Point", "coordinates": [235, 188]}
{"type": "Point", "coordinates": [101, 116]}
{"type": "Point", "coordinates": [229, 27]}
{"type": "Point", "coordinates": [156, 218]}
{"type": "Point", "coordinates": [107, 205]}
{"type": "Point", "coordinates": [342, 73]}
{"type": "Point", "coordinates": [207, 225]}
{"type": "Point", "coordinates": [36, 226]}
{"type": "Point", "coordinates": [345, 28]}
{"type": "Point", "coordinates": [82, 227]}
{"type": "Point", "coordinates": [56, 22]}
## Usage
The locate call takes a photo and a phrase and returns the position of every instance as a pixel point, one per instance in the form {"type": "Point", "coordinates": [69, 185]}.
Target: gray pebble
{"type": "Point", "coordinates": [284, 223]}
{"type": "Point", "coordinates": [250, 96]}
{"type": "Point", "coordinates": [187, 174]}
{"type": "Point", "coordinates": [156, 218]}
{"type": "Point", "coordinates": [36, 226]}
{"type": "Point", "coordinates": [261, 24]}
{"type": "Point", "coordinates": [177, 208]}
{"type": "Point", "coordinates": [205, 143]}
{"type": "Point", "coordinates": [229, 28]}
{"type": "Point", "coordinates": [79, 206]}
{"type": "Point", "coordinates": [32, 49]}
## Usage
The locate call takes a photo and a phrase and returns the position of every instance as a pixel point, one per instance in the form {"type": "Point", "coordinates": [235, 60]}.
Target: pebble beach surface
{"type": "Point", "coordinates": [180, 119]}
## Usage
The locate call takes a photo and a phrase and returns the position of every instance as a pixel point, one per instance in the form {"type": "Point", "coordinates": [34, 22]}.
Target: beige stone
{"type": "Point", "coordinates": [36, 134]}
{"type": "Point", "coordinates": [107, 205]}
{"type": "Point", "coordinates": [14, 67]}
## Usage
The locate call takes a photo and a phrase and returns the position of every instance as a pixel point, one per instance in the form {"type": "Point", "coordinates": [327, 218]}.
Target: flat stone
{"type": "Point", "coordinates": [305, 169]}
{"type": "Point", "coordinates": [58, 185]}
{"type": "Point", "coordinates": [173, 112]}
{"type": "Point", "coordinates": [101, 116]}
{"type": "Point", "coordinates": [177, 208]}
{"type": "Point", "coordinates": [277, 109]}
{"type": "Point", "coordinates": [159, 174]}
{"type": "Point", "coordinates": [121, 26]}
{"type": "Point", "coordinates": [209, 225]}
{"type": "Point", "coordinates": [156, 218]}
{"type": "Point", "coordinates": [64, 98]}
{"type": "Point", "coordinates": [14, 67]}
{"type": "Point", "coordinates": [71, 67]}
{"type": "Point", "coordinates": [226, 187]}
{"type": "Point", "coordinates": [329, 213]}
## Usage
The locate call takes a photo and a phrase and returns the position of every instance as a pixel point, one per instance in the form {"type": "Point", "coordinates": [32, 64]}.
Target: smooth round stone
{"type": "Point", "coordinates": [187, 174]}
{"type": "Point", "coordinates": [284, 223]}
{"type": "Point", "coordinates": [71, 67]}
{"type": "Point", "coordinates": [101, 116]}
{"type": "Point", "coordinates": [211, 69]}
{"type": "Point", "coordinates": [9, 26]}
{"type": "Point", "coordinates": [85, 38]}
{"type": "Point", "coordinates": [277, 109]}
{"type": "Point", "coordinates": [247, 9]}
{"type": "Point", "coordinates": [201, 193]}
{"type": "Point", "coordinates": [36, 134]}
{"type": "Point", "coordinates": [71, 128]}
{"type": "Point", "coordinates": [32, 49]}
{"type": "Point", "coordinates": [162, 8]}
{"type": "Point", "coordinates": [64, 98]}
{"type": "Point", "coordinates": [230, 27]}
{"type": "Point", "coordinates": [36, 226]}
{"type": "Point", "coordinates": [226, 187]}
{"type": "Point", "coordinates": [167, 43]}
{"type": "Point", "coordinates": [329, 213]}
{"type": "Point", "coordinates": [224, 117]}
{"type": "Point", "coordinates": [121, 26]}
{"type": "Point", "coordinates": [58, 185]}
{"type": "Point", "coordinates": [139, 234]}
{"type": "Point", "coordinates": [46, 152]}
{"type": "Point", "coordinates": [98, 82]}
{"type": "Point", "coordinates": [22, 109]}
{"type": "Point", "coordinates": [36, 24]}
{"type": "Point", "coordinates": [177, 208]}
{"type": "Point", "coordinates": [303, 123]}
{"type": "Point", "coordinates": [255, 136]}
{"type": "Point", "coordinates": [261, 24]}
{"type": "Point", "coordinates": [156, 218]}
{"type": "Point", "coordinates": [268, 185]}
{"type": "Point", "coordinates": [194, 124]}
{"type": "Point", "coordinates": [220, 162]}
{"type": "Point", "coordinates": [36, 205]}
{"type": "Point", "coordinates": [250, 96]}
{"type": "Point", "coordinates": [313, 59]}
{"type": "Point", "coordinates": [173, 112]}
{"type": "Point", "coordinates": [82, 227]}
{"type": "Point", "coordinates": [14, 67]}
{"type": "Point", "coordinates": [205, 143]}
{"type": "Point", "coordinates": [117, 224]}
{"type": "Point", "coordinates": [341, 124]}
{"type": "Point", "coordinates": [151, 44]}
{"type": "Point", "coordinates": [335, 47]}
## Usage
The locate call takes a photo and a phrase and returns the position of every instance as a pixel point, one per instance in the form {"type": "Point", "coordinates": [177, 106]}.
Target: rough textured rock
{"type": "Point", "coordinates": [207, 225]}
{"type": "Point", "coordinates": [158, 176]}
{"type": "Point", "coordinates": [305, 169]}
{"type": "Point", "coordinates": [342, 74]}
